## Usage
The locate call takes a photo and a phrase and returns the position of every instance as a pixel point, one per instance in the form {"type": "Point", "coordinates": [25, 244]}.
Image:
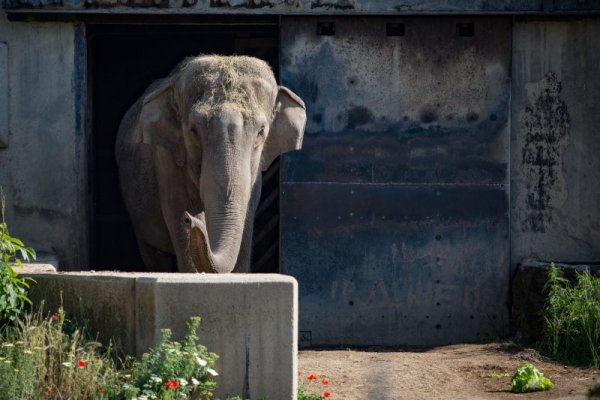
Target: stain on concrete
{"type": "Point", "coordinates": [42, 212]}
{"type": "Point", "coordinates": [358, 116]}
{"type": "Point", "coordinates": [250, 3]}
{"type": "Point", "coordinates": [428, 116]}
{"type": "Point", "coordinates": [333, 4]}
{"type": "Point", "coordinates": [546, 120]}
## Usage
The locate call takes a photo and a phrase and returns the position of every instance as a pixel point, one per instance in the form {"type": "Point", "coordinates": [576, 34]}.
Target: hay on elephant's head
{"type": "Point", "coordinates": [222, 79]}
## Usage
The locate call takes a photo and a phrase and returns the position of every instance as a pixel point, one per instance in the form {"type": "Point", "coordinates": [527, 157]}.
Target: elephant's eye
{"type": "Point", "coordinates": [260, 137]}
{"type": "Point", "coordinates": [194, 132]}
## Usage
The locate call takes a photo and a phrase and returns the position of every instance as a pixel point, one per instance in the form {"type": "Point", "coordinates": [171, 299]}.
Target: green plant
{"type": "Point", "coordinates": [572, 318]}
{"type": "Point", "coordinates": [528, 378]}
{"type": "Point", "coordinates": [173, 370]}
{"type": "Point", "coordinates": [13, 289]}
{"type": "Point", "coordinates": [39, 360]}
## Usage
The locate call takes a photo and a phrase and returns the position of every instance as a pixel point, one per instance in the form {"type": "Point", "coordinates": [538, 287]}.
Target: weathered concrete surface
{"type": "Point", "coordinates": [43, 170]}
{"type": "Point", "coordinates": [396, 209]}
{"type": "Point", "coordinates": [529, 296]}
{"type": "Point", "coordinates": [315, 7]}
{"type": "Point", "coordinates": [250, 321]}
{"type": "Point", "coordinates": [555, 168]}
{"type": "Point", "coordinates": [3, 95]}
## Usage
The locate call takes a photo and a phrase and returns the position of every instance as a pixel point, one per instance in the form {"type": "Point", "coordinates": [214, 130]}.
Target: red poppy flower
{"type": "Point", "coordinates": [54, 317]}
{"type": "Point", "coordinates": [312, 377]}
{"type": "Point", "coordinates": [326, 395]}
{"type": "Point", "coordinates": [100, 389]}
{"type": "Point", "coordinates": [172, 384]}
{"type": "Point", "coordinates": [81, 363]}
{"type": "Point", "coordinates": [324, 381]}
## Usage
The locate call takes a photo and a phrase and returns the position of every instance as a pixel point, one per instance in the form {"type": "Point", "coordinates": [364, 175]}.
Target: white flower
{"type": "Point", "coordinates": [67, 364]}
{"type": "Point", "coordinates": [183, 382]}
{"type": "Point", "coordinates": [195, 382]}
{"type": "Point", "coordinates": [201, 362]}
{"type": "Point", "coordinates": [7, 345]}
{"type": "Point", "coordinates": [155, 379]}
{"type": "Point", "coordinates": [212, 372]}
{"type": "Point", "coordinates": [27, 351]}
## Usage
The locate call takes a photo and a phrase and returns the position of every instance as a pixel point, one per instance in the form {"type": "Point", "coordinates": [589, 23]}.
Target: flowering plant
{"type": "Point", "coordinates": [173, 370]}
{"type": "Point", "coordinates": [315, 384]}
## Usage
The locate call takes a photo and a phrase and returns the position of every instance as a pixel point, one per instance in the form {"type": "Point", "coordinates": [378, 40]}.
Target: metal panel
{"type": "Point", "coordinates": [3, 95]}
{"type": "Point", "coordinates": [394, 216]}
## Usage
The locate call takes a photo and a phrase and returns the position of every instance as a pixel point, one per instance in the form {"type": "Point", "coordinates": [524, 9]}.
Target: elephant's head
{"type": "Point", "coordinates": [223, 120]}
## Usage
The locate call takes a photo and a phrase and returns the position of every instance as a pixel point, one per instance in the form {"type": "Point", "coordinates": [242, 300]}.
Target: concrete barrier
{"type": "Point", "coordinates": [250, 321]}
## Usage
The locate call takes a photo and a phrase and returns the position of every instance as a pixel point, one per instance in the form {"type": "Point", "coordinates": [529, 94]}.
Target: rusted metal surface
{"type": "Point", "coordinates": [394, 216]}
{"type": "Point", "coordinates": [314, 7]}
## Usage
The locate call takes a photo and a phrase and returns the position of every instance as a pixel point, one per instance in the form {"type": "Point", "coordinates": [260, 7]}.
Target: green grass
{"type": "Point", "coordinates": [572, 318]}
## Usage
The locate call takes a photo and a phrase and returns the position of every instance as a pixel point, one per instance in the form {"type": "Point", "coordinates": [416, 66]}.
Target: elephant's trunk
{"type": "Point", "coordinates": [216, 235]}
{"type": "Point", "coordinates": [215, 246]}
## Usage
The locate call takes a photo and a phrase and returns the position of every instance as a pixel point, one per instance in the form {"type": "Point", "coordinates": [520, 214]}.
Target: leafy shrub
{"type": "Point", "coordinates": [13, 289]}
{"type": "Point", "coordinates": [572, 318]}
{"type": "Point", "coordinates": [173, 370]}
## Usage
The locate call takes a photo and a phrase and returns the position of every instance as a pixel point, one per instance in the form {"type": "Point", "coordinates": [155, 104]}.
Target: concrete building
{"type": "Point", "coordinates": [446, 141]}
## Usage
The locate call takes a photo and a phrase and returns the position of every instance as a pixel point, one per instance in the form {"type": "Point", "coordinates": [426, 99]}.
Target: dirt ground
{"type": "Point", "coordinates": [468, 371]}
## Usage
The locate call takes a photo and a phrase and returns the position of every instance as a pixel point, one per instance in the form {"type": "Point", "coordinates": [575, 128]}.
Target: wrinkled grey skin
{"type": "Point", "coordinates": [190, 152]}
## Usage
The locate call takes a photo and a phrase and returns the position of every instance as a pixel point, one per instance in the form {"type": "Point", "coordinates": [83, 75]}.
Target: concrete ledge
{"type": "Point", "coordinates": [250, 321]}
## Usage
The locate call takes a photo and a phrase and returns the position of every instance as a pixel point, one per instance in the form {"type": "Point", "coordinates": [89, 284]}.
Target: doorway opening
{"type": "Point", "coordinates": [123, 61]}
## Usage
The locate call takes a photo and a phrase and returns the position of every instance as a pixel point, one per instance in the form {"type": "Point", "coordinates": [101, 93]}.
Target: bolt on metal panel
{"type": "Point", "coordinates": [394, 215]}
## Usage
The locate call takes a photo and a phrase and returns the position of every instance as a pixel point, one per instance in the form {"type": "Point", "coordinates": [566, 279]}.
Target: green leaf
{"type": "Point", "coordinates": [528, 378]}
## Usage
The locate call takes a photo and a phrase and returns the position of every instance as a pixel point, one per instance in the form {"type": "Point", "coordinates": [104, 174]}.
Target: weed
{"type": "Point", "coordinates": [572, 318]}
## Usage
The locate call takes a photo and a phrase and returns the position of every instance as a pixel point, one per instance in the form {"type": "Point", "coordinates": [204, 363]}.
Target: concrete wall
{"type": "Point", "coordinates": [555, 150]}
{"type": "Point", "coordinates": [250, 321]}
{"type": "Point", "coordinates": [43, 169]}
{"type": "Point", "coordinates": [303, 7]}
{"type": "Point", "coordinates": [396, 208]}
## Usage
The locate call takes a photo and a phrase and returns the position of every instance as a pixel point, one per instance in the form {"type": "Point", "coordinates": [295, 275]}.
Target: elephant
{"type": "Point", "coordinates": [189, 153]}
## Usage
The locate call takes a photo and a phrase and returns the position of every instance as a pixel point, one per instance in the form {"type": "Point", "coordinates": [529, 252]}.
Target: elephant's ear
{"type": "Point", "coordinates": [287, 128]}
{"type": "Point", "coordinates": [160, 122]}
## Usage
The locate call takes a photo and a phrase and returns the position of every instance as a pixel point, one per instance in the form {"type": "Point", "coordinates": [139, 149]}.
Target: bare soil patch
{"type": "Point", "coordinates": [466, 371]}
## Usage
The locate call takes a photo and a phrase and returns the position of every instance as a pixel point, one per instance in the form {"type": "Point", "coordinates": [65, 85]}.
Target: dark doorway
{"type": "Point", "coordinates": [123, 61]}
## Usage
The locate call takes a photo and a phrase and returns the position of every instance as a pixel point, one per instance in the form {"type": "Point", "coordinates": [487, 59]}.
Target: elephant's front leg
{"type": "Point", "coordinates": [175, 201]}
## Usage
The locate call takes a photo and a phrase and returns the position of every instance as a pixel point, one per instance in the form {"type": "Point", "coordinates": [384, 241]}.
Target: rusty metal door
{"type": "Point", "coordinates": [394, 216]}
